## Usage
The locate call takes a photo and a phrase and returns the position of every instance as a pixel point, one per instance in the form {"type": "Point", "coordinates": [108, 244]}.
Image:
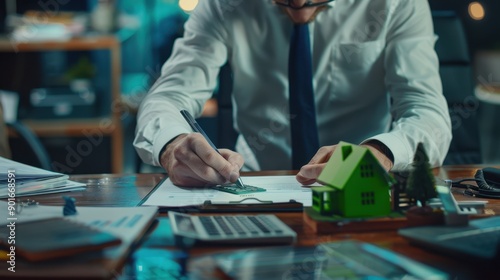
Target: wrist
{"type": "Point", "coordinates": [380, 147]}
{"type": "Point", "coordinates": [164, 148]}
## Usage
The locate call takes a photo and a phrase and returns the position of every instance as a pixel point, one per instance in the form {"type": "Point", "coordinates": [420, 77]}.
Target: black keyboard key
{"type": "Point", "coordinates": [223, 225]}
{"type": "Point", "coordinates": [231, 229]}
{"type": "Point", "coordinates": [236, 225]}
{"type": "Point", "coordinates": [273, 227]}
{"type": "Point", "coordinates": [249, 226]}
{"type": "Point", "coordinates": [261, 226]}
{"type": "Point", "coordinates": [209, 226]}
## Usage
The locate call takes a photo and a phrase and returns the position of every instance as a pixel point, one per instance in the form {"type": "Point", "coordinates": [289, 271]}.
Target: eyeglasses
{"type": "Point", "coordinates": [307, 4]}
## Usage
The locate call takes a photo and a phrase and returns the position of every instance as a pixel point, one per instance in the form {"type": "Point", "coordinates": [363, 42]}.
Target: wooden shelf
{"type": "Point", "coordinates": [75, 44]}
{"type": "Point", "coordinates": [110, 126]}
{"type": "Point", "coordinates": [70, 127]}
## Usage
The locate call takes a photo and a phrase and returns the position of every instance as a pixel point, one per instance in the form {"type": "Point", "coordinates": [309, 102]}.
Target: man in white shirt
{"type": "Point", "coordinates": [375, 78]}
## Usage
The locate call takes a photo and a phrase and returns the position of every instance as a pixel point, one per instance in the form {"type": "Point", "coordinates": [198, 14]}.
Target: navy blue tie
{"type": "Point", "coordinates": [304, 131]}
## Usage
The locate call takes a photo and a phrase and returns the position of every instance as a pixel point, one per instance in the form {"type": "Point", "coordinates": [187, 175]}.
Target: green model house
{"type": "Point", "coordinates": [356, 185]}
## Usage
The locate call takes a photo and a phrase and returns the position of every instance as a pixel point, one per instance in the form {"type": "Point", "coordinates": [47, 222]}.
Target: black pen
{"type": "Point", "coordinates": [197, 128]}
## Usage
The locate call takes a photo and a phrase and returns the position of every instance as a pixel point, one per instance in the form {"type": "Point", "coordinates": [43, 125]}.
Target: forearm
{"type": "Point", "coordinates": [158, 122]}
{"type": "Point", "coordinates": [418, 107]}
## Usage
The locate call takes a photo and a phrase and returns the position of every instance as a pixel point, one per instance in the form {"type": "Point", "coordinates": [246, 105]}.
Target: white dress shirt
{"type": "Point", "coordinates": [375, 78]}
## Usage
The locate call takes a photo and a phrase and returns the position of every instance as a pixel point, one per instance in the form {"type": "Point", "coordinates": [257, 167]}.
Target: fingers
{"type": "Point", "coordinates": [323, 154]}
{"type": "Point", "coordinates": [236, 161]}
{"type": "Point", "coordinates": [180, 178]}
{"type": "Point", "coordinates": [191, 161]}
{"type": "Point", "coordinates": [310, 172]}
{"type": "Point", "coordinates": [176, 163]}
{"type": "Point", "coordinates": [225, 162]}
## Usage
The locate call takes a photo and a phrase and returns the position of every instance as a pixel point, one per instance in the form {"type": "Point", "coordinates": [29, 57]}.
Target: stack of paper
{"type": "Point", "coordinates": [17, 179]}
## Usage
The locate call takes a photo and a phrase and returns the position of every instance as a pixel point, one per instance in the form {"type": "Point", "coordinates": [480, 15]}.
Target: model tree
{"type": "Point", "coordinates": [421, 182]}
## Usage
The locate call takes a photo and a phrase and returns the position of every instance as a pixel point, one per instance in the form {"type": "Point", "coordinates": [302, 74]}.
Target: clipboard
{"type": "Point", "coordinates": [234, 204]}
{"type": "Point", "coordinates": [209, 207]}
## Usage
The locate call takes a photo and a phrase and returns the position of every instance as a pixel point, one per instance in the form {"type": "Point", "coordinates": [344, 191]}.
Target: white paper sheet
{"type": "Point", "coordinates": [278, 189]}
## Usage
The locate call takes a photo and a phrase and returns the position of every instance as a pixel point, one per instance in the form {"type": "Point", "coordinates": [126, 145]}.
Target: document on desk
{"type": "Point", "coordinates": [279, 189]}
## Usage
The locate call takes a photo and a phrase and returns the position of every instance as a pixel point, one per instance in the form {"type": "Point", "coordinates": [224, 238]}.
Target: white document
{"type": "Point", "coordinates": [28, 180]}
{"type": "Point", "coordinates": [278, 189]}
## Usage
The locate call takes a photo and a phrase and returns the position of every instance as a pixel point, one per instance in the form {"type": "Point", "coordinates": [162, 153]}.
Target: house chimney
{"type": "Point", "coordinates": [346, 151]}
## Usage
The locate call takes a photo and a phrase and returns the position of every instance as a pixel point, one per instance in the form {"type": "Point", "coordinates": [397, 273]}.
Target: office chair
{"type": "Point", "coordinates": [458, 87]}
{"type": "Point", "coordinates": [40, 154]}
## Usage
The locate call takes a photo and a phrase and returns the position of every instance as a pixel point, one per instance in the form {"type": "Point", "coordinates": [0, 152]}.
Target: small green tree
{"type": "Point", "coordinates": [421, 182]}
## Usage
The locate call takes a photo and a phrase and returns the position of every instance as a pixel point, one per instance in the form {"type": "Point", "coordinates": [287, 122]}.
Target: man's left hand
{"type": "Point", "coordinates": [310, 172]}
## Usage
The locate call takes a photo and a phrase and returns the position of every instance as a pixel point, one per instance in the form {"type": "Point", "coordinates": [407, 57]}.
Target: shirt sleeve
{"type": "Point", "coordinates": [419, 109]}
{"type": "Point", "coordinates": [187, 81]}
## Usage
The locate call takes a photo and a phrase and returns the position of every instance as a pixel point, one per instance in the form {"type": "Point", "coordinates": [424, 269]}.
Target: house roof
{"type": "Point", "coordinates": [344, 162]}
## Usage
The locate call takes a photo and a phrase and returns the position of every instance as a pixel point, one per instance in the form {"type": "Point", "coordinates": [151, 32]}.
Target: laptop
{"type": "Point", "coordinates": [478, 239]}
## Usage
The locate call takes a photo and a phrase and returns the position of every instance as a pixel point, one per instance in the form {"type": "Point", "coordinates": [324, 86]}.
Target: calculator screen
{"type": "Point", "coordinates": [184, 224]}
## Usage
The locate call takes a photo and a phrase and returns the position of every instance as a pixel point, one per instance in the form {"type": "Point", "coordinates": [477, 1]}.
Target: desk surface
{"type": "Point", "coordinates": [128, 190]}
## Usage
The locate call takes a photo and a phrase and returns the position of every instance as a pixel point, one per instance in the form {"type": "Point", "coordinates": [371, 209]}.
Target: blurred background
{"type": "Point", "coordinates": [74, 72]}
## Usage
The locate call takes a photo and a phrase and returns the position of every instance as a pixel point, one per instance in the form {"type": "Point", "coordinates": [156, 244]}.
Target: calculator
{"type": "Point", "coordinates": [232, 229]}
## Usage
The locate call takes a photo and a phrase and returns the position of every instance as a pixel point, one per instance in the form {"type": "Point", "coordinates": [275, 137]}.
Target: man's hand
{"type": "Point", "coordinates": [310, 172]}
{"type": "Point", "coordinates": [190, 161]}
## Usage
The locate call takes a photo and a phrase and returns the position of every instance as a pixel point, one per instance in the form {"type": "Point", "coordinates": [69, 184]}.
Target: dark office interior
{"type": "Point", "coordinates": [145, 32]}
{"type": "Point", "coordinates": [81, 204]}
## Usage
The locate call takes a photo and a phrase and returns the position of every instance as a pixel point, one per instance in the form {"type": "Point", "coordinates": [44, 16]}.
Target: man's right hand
{"type": "Point", "coordinates": [190, 161]}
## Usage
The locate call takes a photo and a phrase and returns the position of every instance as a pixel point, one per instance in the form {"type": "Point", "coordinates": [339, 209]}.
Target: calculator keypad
{"type": "Point", "coordinates": [231, 228]}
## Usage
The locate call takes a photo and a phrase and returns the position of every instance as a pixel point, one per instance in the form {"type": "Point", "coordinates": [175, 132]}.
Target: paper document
{"type": "Point", "coordinates": [22, 180]}
{"type": "Point", "coordinates": [278, 189]}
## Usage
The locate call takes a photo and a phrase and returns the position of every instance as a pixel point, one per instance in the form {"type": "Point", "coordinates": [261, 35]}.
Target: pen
{"type": "Point", "coordinates": [197, 128]}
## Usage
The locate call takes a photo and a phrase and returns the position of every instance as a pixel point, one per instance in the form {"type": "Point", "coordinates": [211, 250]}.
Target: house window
{"type": "Point", "coordinates": [367, 198]}
{"type": "Point", "coordinates": [366, 170]}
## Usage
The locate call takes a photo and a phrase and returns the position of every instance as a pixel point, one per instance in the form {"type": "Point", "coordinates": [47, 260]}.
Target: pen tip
{"type": "Point", "coordinates": [240, 182]}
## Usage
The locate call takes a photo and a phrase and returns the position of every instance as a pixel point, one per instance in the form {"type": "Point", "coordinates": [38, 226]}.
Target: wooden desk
{"type": "Point", "coordinates": [128, 190]}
